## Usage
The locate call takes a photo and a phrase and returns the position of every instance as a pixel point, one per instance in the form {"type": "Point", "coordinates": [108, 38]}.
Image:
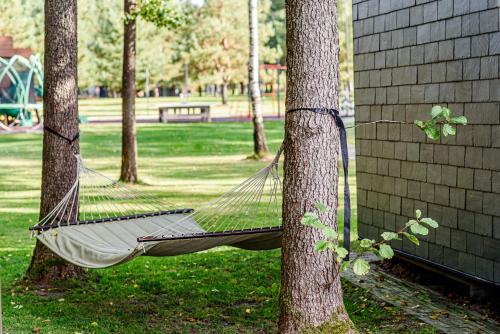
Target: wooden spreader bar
{"type": "Point", "coordinates": [212, 234]}
{"type": "Point", "coordinates": [111, 219]}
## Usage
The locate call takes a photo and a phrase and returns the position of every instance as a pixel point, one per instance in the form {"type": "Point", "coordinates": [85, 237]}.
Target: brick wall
{"type": "Point", "coordinates": [409, 56]}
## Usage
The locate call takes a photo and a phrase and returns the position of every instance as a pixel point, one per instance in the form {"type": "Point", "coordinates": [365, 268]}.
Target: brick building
{"type": "Point", "coordinates": [7, 49]}
{"type": "Point", "coordinates": [409, 56]}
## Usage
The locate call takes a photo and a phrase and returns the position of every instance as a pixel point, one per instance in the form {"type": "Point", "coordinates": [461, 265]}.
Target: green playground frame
{"type": "Point", "coordinates": [21, 80]}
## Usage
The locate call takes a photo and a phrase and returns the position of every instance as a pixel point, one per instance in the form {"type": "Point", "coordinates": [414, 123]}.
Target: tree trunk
{"type": "Point", "coordinates": [224, 91]}
{"type": "Point", "coordinates": [311, 297]}
{"type": "Point", "coordinates": [129, 135]}
{"type": "Point", "coordinates": [259, 137]}
{"type": "Point", "coordinates": [60, 105]}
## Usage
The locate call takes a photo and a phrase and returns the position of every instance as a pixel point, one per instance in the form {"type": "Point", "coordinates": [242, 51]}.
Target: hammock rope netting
{"type": "Point", "coordinates": [100, 222]}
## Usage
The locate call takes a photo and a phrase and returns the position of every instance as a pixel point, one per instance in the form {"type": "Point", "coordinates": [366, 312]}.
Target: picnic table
{"type": "Point", "coordinates": [188, 112]}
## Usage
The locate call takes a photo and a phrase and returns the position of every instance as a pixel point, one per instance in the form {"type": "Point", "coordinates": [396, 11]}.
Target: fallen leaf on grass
{"type": "Point", "coordinates": [436, 314]}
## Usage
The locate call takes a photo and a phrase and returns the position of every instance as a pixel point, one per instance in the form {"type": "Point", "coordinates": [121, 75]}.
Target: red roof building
{"type": "Point", "coordinates": [7, 49]}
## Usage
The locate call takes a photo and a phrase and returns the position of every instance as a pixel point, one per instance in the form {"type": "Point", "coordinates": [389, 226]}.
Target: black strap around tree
{"type": "Point", "coordinates": [345, 164]}
{"type": "Point", "coordinates": [70, 141]}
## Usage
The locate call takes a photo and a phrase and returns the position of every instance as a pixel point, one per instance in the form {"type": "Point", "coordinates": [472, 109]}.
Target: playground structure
{"type": "Point", "coordinates": [273, 87]}
{"type": "Point", "coordinates": [21, 85]}
{"type": "Point", "coordinates": [269, 88]}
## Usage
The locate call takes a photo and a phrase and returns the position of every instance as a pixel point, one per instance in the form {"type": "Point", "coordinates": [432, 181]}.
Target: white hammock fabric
{"type": "Point", "coordinates": [101, 223]}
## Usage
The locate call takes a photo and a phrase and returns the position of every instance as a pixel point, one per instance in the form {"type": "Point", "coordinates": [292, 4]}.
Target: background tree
{"type": "Point", "coordinates": [275, 20]}
{"type": "Point", "coordinates": [129, 133]}
{"type": "Point", "coordinates": [23, 19]}
{"type": "Point", "coordinates": [215, 50]}
{"type": "Point", "coordinates": [212, 43]}
{"type": "Point", "coordinates": [159, 13]}
{"type": "Point", "coordinates": [100, 40]}
{"type": "Point", "coordinates": [311, 293]}
{"type": "Point", "coordinates": [259, 137]}
{"type": "Point", "coordinates": [344, 19]}
{"type": "Point", "coordinates": [155, 53]}
{"type": "Point", "coordinates": [60, 105]}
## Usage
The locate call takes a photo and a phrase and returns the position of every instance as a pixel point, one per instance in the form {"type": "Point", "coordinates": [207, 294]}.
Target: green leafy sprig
{"type": "Point", "coordinates": [440, 116]}
{"type": "Point", "coordinates": [381, 249]}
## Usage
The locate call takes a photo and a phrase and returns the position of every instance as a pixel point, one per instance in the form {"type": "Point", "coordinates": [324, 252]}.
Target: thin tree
{"type": "Point", "coordinates": [224, 90]}
{"type": "Point", "coordinates": [129, 132]}
{"type": "Point", "coordinates": [311, 297]}
{"type": "Point", "coordinates": [60, 105]}
{"type": "Point", "coordinates": [160, 14]}
{"type": "Point", "coordinates": [259, 137]}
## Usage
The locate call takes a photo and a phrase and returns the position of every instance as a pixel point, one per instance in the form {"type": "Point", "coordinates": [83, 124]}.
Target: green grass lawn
{"type": "Point", "coordinates": [224, 290]}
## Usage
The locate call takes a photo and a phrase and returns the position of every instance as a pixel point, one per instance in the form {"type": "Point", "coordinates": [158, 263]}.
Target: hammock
{"type": "Point", "coordinates": [101, 223]}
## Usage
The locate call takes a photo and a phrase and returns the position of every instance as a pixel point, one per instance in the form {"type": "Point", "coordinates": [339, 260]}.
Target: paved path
{"type": "Point", "coordinates": [154, 119]}
{"type": "Point", "coordinates": [423, 303]}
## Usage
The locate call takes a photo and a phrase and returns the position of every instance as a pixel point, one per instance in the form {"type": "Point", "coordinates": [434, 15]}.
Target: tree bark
{"type": "Point", "coordinates": [259, 136]}
{"type": "Point", "coordinates": [60, 105]}
{"type": "Point", "coordinates": [129, 134]}
{"type": "Point", "coordinates": [311, 297]}
{"type": "Point", "coordinates": [224, 88]}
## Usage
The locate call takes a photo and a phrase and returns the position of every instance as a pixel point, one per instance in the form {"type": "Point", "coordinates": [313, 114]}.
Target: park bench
{"type": "Point", "coordinates": [184, 112]}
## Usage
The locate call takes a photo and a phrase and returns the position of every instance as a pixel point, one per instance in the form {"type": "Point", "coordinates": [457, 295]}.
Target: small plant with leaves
{"type": "Point", "coordinates": [382, 249]}
{"type": "Point", "coordinates": [440, 116]}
